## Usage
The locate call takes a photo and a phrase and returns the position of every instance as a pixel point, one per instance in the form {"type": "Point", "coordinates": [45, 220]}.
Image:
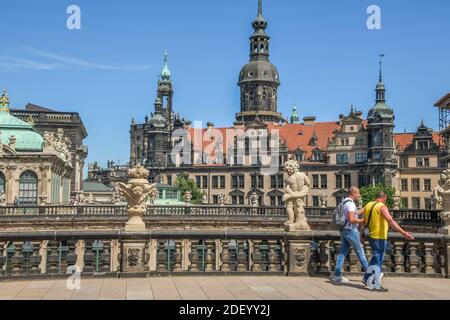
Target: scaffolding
{"type": "Point", "coordinates": [444, 121]}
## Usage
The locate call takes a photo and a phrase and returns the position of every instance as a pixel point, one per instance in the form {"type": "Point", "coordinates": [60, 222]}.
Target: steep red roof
{"type": "Point", "coordinates": [298, 136]}
{"type": "Point", "coordinates": [402, 140]}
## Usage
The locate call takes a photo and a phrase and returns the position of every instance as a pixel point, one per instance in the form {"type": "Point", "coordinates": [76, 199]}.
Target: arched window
{"type": "Point", "coordinates": [2, 183]}
{"type": "Point", "coordinates": [28, 188]}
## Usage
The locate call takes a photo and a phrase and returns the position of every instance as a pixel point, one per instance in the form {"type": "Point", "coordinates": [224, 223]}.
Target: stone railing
{"type": "Point", "coordinates": [47, 254]}
{"type": "Point", "coordinates": [419, 215]}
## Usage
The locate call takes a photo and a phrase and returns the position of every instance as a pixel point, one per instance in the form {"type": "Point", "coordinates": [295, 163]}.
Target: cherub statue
{"type": "Point", "coordinates": [2, 199]}
{"type": "Point", "coordinates": [188, 197]}
{"type": "Point", "coordinates": [441, 194]}
{"type": "Point", "coordinates": [254, 199]}
{"type": "Point", "coordinates": [323, 201]}
{"type": "Point", "coordinates": [222, 199]}
{"type": "Point", "coordinates": [297, 188]}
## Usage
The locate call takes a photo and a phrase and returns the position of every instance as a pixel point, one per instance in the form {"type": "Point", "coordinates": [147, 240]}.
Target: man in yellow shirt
{"type": "Point", "coordinates": [378, 219]}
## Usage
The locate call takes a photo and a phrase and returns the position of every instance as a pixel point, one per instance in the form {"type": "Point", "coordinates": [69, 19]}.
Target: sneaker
{"type": "Point", "coordinates": [340, 279]}
{"type": "Point", "coordinates": [381, 277]}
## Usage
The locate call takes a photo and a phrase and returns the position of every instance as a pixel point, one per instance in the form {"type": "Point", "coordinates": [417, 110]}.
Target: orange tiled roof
{"type": "Point", "coordinates": [402, 140]}
{"type": "Point", "coordinates": [298, 136]}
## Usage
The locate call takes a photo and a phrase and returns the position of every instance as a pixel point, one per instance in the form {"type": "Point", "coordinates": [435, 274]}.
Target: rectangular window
{"type": "Point", "coordinates": [404, 163]}
{"type": "Point", "coordinates": [342, 158]}
{"type": "Point", "coordinates": [427, 185]}
{"type": "Point", "coordinates": [347, 181]}
{"type": "Point", "coordinates": [315, 181]}
{"type": "Point", "coordinates": [361, 158]}
{"type": "Point", "coordinates": [404, 184]}
{"type": "Point", "coordinates": [416, 203]}
{"type": "Point", "coordinates": [215, 182]}
{"type": "Point", "coordinates": [205, 182]}
{"type": "Point", "coordinates": [323, 181]}
{"type": "Point", "coordinates": [198, 180]}
{"type": "Point", "coordinates": [405, 203]}
{"type": "Point", "coordinates": [429, 204]}
{"type": "Point", "coordinates": [362, 182]}
{"type": "Point", "coordinates": [338, 181]}
{"type": "Point", "coordinates": [423, 162]}
{"type": "Point", "coordinates": [273, 201]}
{"type": "Point", "coordinates": [261, 182]}
{"type": "Point", "coordinates": [280, 182]}
{"type": "Point", "coordinates": [215, 199]}
{"type": "Point", "coordinates": [221, 182]}
{"type": "Point", "coordinates": [315, 201]}
{"type": "Point", "coordinates": [415, 184]}
{"type": "Point", "coordinates": [241, 200]}
{"type": "Point", "coordinates": [169, 180]}
{"type": "Point", "coordinates": [237, 182]}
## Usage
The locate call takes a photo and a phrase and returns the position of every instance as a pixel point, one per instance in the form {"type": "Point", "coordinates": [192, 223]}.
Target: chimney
{"type": "Point", "coordinates": [309, 121]}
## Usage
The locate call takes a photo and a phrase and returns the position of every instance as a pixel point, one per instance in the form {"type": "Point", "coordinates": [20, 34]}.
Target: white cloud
{"type": "Point", "coordinates": [43, 60]}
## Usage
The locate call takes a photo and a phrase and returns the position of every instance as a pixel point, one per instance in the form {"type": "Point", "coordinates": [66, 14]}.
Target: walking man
{"type": "Point", "coordinates": [350, 237]}
{"type": "Point", "coordinates": [377, 221]}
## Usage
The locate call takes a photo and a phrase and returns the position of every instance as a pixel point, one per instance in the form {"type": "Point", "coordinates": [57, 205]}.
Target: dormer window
{"type": "Point", "coordinates": [298, 155]}
{"type": "Point", "coordinates": [317, 156]}
{"type": "Point", "coordinates": [422, 145]}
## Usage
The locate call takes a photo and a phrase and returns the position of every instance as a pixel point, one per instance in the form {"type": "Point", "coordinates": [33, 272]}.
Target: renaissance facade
{"type": "Point", "coordinates": [35, 169]}
{"type": "Point", "coordinates": [352, 151]}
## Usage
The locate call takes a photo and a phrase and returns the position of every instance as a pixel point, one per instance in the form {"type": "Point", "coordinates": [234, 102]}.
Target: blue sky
{"type": "Point", "coordinates": [326, 56]}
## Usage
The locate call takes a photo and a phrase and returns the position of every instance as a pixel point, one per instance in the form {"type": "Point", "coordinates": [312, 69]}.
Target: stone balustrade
{"type": "Point", "coordinates": [403, 215]}
{"type": "Point", "coordinates": [314, 253]}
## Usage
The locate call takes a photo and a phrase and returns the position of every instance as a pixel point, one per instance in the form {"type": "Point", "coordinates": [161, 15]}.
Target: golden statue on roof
{"type": "Point", "coordinates": [4, 101]}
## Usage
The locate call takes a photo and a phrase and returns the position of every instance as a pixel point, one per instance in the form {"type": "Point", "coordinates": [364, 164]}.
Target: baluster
{"type": "Point", "coordinates": [210, 256]}
{"type": "Point", "coordinates": [387, 262]}
{"type": "Point", "coordinates": [324, 257]}
{"type": "Point", "coordinates": [53, 257]}
{"type": "Point", "coordinates": [256, 256]}
{"type": "Point", "coordinates": [36, 258]}
{"type": "Point", "coordinates": [17, 259]}
{"type": "Point", "coordinates": [161, 257]}
{"type": "Point", "coordinates": [442, 248]}
{"type": "Point", "coordinates": [242, 257]}
{"type": "Point", "coordinates": [2, 256]}
{"type": "Point", "coordinates": [368, 251]}
{"type": "Point", "coordinates": [72, 254]}
{"type": "Point", "coordinates": [413, 257]}
{"type": "Point", "coordinates": [225, 256]}
{"type": "Point", "coordinates": [353, 261]}
{"type": "Point", "coordinates": [399, 258]}
{"type": "Point", "coordinates": [88, 257]}
{"type": "Point", "coordinates": [429, 258]}
{"type": "Point", "coordinates": [177, 257]}
{"type": "Point", "coordinates": [106, 257]}
{"type": "Point", "coordinates": [274, 265]}
{"type": "Point", "coordinates": [193, 257]}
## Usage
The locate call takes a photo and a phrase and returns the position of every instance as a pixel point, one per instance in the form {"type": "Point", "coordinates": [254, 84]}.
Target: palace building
{"type": "Point", "coordinates": [35, 169]}
{"type": "Point", "coordinates": [352, 151]}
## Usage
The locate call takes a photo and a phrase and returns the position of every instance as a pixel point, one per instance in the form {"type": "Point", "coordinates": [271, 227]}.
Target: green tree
{"type": "Point", "coordinates": [369, 193]}
{"type": "Point", "coordinates": [186, 184]}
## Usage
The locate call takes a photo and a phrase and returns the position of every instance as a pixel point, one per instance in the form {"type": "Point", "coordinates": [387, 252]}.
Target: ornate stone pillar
{"type": "Point", "coordinates": [299, 256]}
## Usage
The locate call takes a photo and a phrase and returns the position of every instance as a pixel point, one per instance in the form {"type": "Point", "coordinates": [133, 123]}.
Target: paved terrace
{"type": "Point", "coordinates": [225, 288]}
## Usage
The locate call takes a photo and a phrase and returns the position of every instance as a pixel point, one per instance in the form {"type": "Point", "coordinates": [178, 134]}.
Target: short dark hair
{"type": "Point", "coordinates": [381, 194]}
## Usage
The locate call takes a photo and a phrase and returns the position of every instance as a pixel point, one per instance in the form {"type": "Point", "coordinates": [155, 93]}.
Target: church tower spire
{"type": "Point", "coordinates": [163, 103]}
{"type": "Point", "coordinates": [381, 89]}
{"type": "Point", "coordinates": [259, 79]}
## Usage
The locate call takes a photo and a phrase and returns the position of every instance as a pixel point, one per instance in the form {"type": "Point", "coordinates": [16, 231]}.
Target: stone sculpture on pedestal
{"type": "Point", "coordinates": [442, 195]}
{"type": "Point", "coordinates": [297, 188]}
{"type": "Point", "coordinates": [136, 192]}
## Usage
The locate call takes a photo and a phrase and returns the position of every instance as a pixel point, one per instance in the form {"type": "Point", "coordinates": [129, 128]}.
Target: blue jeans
{"type": "Point", "coordinates": [378, 251]}
{"type": "Point", "coordinates": [350, 239]}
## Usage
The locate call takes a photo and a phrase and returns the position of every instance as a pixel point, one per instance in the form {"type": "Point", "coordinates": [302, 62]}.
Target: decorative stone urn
{"type": "Point", "coordinates": [442, 195]}
{"type": "Point", "coordinates": [136, 192]}
{"type": "Point", "coordinates": [297, 188]}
